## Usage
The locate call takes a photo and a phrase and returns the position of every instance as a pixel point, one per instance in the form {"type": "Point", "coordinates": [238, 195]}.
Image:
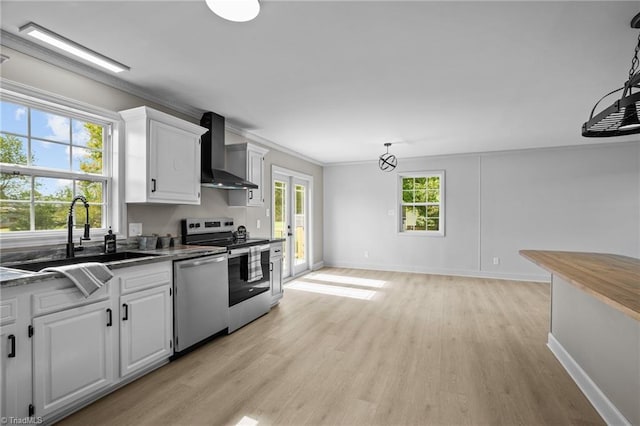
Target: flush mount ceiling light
{"type": "Point", "coordinates": [621, 118]}
{"type": "Point", "coordinates": [69, 46]}
{"type": "Point", "coordinates": [235, 10]}
{"type": "Point", "coordinates": [387, 162]}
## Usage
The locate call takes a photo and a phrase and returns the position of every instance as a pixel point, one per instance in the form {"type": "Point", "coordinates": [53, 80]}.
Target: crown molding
{"type": "Point", "coordinates": [37, 51]}
{"type": "Point", "coordinates": [266, 142]}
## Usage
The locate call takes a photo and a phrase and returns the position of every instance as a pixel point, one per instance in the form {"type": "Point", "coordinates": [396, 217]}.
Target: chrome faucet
{"type": "Point", "coordinates": [70, 249]}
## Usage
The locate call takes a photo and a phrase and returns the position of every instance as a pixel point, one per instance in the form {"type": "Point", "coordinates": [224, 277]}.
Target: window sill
{"type": "Point", "coordinates": [421, 233]}
{"type": "Point", "coordinates": [48, 238]}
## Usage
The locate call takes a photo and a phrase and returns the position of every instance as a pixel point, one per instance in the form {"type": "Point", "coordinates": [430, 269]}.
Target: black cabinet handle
{"type": "Point", "coordinates": [12, 351]}
{"type": "Point", "coordinates": [109, 318]}
{"type": "Point", "coordinates": [153, 181]}
{"type": "Point", "coordinates": [270, 266]}
{"type": "Point", "coordinates": [251, 194]}
{"type": "Point", "coordinates": [126, 312]}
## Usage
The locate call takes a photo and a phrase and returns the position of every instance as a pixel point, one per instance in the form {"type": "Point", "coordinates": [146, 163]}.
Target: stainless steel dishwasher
{"type": "Point", "coordinates": [201, 299]}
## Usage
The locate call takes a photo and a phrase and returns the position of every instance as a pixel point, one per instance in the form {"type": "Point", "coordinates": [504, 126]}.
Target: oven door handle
{"type": "Point", "coordinates": [202, 262]}
{"type": "Point", "coordinates": [243, 251]}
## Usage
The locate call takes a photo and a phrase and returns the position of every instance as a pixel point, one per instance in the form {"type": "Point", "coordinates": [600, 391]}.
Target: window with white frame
{"type": "Point", "coordinates": [422, 203]}
{"type": "Point", "coordinates": [49, 154]}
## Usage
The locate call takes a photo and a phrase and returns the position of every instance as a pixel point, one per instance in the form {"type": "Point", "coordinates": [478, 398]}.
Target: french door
{"type": "Point", "coordinates": [291, 195]}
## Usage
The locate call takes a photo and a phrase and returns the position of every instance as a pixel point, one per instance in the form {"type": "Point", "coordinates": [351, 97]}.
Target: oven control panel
{"type": "Point", "coordinates": [194, 226]}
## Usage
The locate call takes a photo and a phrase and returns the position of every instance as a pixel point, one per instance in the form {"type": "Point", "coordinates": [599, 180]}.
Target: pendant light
{"type": "Point", "coordinates": [235, 10]}
{"type": "Point", "coordinates": [630, 120]}
{"type": "Point", "coordinates": [621, 118]}
{"type": "Point", "coordinates": [387, 162]}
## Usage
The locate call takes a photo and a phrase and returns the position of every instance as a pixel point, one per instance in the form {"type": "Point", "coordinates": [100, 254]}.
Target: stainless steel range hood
{"type": "Point", "coordinates": [213, 173]}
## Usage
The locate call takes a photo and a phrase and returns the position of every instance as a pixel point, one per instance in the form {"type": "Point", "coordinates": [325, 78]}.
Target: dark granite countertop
{"type": "Point", "coordinates": [11, 277]}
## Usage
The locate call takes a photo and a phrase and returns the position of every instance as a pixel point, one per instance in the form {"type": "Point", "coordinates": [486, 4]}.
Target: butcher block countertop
{"type": "Point", "coordinates": [613, 279]}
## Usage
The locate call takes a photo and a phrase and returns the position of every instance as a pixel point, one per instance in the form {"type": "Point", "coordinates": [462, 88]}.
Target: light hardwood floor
{"type": "Point", "coordinates": [424, 349]}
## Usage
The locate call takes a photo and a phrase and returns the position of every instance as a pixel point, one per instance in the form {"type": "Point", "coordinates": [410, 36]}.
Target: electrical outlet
{"type": "Point", "coordinates": [258, 224]}
{"type": "Point", "coordinates": [366, 254]}
{"type": "Point", "coordinates": [135, 229]}
{"type": "Point", "coordinates": [496, 260]}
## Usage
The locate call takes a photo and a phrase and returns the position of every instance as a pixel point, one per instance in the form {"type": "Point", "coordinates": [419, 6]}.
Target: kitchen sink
{"type": "Point", "coordinates": [36, 266]}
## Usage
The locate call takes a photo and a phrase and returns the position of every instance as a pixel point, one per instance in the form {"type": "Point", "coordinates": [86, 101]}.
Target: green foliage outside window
{"type": "Point", "coordinates": [32, 202]}
{"type": "Point", "coordinates": [421, 197]}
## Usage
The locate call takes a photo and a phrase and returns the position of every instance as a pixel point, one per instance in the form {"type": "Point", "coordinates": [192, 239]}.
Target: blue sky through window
{"type": "Point", "coordinates": [14, 118]}
{"type": "Point", "coordinates": [57, 142]}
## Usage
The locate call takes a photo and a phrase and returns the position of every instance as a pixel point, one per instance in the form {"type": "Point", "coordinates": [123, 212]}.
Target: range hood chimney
{"type": "Point", "coordinates": [213, 173]}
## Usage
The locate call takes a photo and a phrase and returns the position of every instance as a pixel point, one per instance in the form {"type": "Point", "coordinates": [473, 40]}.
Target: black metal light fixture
{"type": "Point", "coordinates": [387, 162]}
{"type": "Point", "coordinates": [621, 118]}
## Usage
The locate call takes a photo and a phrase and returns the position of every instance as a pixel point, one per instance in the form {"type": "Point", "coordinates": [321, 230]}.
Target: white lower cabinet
{"type": "Point", "coordinates": [146, 328]}
{"type": "Point", "coordinates": [73, 355]}
{"type": "Point", "coordinates": [276, 272]}
{"type": "Point", "coordinates": [15, 357]}
{"type": "Point", "coordinates": [15, 393]}
{"type": "Point", "coordinates": [60, 350]}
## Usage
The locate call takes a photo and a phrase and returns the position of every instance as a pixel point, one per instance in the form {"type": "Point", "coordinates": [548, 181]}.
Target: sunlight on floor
{"type": "Point", "coordinates": [247, 421]}
{"type": "Point", "coordinates": [362, 282]}
{"type": "Point", "coordinates": [332, 290]}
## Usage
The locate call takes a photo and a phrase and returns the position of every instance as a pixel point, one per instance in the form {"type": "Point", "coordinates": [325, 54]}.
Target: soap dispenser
{"type": "Point", "coordinates": [110, 242]}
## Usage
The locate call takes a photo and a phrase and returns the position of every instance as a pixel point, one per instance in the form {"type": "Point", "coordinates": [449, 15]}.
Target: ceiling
{"type": "Point", "coordinates": [335, 80]}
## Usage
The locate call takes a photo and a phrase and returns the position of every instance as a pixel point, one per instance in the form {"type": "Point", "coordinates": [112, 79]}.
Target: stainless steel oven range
{"type": "Point", "coordinates": [249, 294]}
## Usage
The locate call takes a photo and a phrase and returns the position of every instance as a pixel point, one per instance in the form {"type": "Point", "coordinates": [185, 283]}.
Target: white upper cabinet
{"type": "Point", "coordinates": [162, 158]}
{"type": "Point", "coordinates": [247, 161]}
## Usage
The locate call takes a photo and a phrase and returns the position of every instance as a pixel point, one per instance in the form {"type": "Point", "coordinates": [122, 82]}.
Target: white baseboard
{"type": "Point", "coordinates": [318, 265]}
{"type": "Point", "coordinates": [598, 399]}
{"type": "Point", "coordinates": [546, 278]}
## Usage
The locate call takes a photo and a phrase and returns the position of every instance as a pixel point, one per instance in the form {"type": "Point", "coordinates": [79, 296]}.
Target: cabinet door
{"type": "Point", "coordinates": [255, 165]}
{"type": "Point", "coordinates": [146, 328]}
{"type": "Point", "coordinates": [174, 165]}
{"type": "Point", "coordinates": [15, 364]}
{"type": "Point", "coordinates": [73, 355]}
{"type": "Point", "coordinates": [276, 280]}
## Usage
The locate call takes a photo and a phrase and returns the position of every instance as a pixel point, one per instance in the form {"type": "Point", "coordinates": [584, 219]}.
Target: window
{"type": "Point", "coordinates": [422, 203]}
{"type": "Point", "coordinates": [50, 153]}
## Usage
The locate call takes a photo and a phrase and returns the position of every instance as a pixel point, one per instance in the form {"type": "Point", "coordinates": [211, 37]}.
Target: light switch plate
{"type": "Point", "coordinates": [135, 229]}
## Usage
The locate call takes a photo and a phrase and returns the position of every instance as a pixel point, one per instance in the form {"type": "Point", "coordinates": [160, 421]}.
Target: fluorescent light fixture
{"type": "Point", "coordinates": [60, 42]}
{"type": "Point", "coordinates": [235, 10]}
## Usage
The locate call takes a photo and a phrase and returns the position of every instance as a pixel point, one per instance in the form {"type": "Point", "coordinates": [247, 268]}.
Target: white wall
{"type": "Point", "coordinates": [159, 218]}
{"type": "Point", "coordinates": [579, 198]}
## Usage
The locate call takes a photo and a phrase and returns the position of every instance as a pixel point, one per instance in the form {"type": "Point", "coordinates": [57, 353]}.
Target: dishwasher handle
{"type": "Point", "coordinates": [199, 262]}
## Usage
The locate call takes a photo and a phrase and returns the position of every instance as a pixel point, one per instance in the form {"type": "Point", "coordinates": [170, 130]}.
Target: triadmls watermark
{"type": "Point", "coordinates": [21, 420]}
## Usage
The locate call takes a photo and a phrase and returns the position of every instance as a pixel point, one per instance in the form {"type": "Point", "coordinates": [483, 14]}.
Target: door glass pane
{"type": "Point", "coordinates": [300, 249]}
{"type": "Point", "coordinates": [280, 214]}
